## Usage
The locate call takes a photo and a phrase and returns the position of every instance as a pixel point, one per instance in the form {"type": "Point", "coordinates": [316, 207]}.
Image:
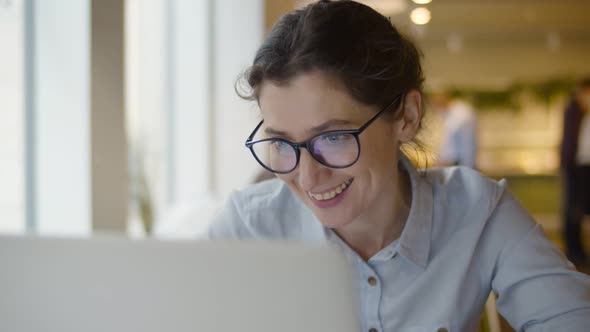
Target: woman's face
{"type": "Point", "coordinates": [313, 103]}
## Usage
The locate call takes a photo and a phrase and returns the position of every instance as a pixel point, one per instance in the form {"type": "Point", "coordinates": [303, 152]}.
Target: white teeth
{"type": "Point", "coordinates": [331, 194]}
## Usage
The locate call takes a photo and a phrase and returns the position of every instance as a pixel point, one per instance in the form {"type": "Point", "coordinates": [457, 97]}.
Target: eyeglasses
{"type": "Point", "coordinates": [334, 149]}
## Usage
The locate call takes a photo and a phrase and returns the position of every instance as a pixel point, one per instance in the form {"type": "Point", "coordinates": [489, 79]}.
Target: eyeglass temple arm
{"type": "Point", "coordinates": [395, 100]}
{"type": "Point", "coordinates": [249, 139]}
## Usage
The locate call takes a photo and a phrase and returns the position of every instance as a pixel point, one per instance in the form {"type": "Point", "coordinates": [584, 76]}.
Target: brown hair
{"type": "Point", "coordinates": [348, 40]}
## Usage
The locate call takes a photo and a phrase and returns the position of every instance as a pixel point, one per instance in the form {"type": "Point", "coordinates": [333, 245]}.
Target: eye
{"type": "Point", "coordinates": [335, 138]}
{"type": "Point", "coordinates": [277, 144]}
{"type": "Point", "coordinates": [280, 146]}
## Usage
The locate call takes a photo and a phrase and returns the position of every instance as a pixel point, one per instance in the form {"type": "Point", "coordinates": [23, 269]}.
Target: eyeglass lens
{"type": "Point", "coordinates": [330, 149]}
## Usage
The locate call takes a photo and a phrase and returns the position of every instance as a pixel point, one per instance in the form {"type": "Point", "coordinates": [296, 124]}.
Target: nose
{"type": "Point", "coordinates": [309, 170]}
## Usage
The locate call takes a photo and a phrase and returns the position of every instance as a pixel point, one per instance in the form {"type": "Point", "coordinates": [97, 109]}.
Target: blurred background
{"type": "Point", "coordinates": [121, 116]}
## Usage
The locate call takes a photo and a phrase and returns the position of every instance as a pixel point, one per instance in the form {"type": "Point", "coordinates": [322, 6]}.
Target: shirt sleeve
{"type": "Point", "coordinates": [537, 288]}
{"type": "Point", "coordinates": [228, 224]}
{"type": "Point", "coordinates": [575, 321]}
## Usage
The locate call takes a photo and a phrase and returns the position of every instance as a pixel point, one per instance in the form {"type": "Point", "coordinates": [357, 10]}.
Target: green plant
{"type": "Point", "coordinates": [508, 98]}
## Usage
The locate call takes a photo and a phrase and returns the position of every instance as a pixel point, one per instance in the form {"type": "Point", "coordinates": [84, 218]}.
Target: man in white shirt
{"type": "Point", "coordinates": [459, 140]}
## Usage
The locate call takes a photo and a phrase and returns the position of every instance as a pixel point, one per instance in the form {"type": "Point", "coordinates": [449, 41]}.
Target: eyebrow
{"type": "Point", "coordinates": [317, 129]}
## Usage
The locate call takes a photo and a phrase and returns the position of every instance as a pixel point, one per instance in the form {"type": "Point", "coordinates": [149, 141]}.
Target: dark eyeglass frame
{"type": "Point", "coordinates": [307, 144]}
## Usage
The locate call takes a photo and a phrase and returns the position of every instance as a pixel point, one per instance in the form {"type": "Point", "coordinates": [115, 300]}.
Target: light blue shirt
{"type": "Point", "coordinates": [465, 236]}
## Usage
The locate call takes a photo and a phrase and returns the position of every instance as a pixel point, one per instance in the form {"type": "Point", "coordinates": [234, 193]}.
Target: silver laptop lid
{"type": "Point", "coordinates": [107, 284]}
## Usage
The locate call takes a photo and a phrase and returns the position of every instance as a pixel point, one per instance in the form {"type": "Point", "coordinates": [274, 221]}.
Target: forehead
{"type": "Point", "coordinates": [308, 100]}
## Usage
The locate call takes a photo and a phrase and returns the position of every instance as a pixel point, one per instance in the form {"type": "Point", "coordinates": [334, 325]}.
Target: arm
{"type": "Point", "coordinates": [537, 288]}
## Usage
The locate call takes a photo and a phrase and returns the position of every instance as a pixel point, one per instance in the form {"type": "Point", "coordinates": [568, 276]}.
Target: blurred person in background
{"type": "Point", "coordinates": [459, 137]}
{"type": "Point", "coordinates": [340, 92]}
{"type": "Point", "coordinates": [575, 168]}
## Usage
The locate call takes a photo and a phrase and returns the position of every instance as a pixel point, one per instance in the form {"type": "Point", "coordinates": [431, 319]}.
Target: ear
{"type": "Point", "coordinates": [408, 124]}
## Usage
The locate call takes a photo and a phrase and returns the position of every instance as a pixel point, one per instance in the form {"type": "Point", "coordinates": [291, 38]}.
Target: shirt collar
{"type": "Point", "coordinates": [414, 242]}
{"type": "Point", "coordinates": [415, 238]}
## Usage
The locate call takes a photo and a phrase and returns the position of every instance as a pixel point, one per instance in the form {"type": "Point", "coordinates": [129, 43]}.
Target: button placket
{"type": "Point", "coordinates": [371, 289]}
{"type": "Point", "coordinates": [372, 281]}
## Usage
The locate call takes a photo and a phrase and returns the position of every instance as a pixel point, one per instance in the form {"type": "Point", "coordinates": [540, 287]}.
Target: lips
{"type": "Point", "coordinates": [332, 193]}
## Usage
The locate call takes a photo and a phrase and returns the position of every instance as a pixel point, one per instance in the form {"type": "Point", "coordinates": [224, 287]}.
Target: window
{"type": "Point", "coordinates": [12, 121]}
{"type": "Point", "coordinates": [185, 125]}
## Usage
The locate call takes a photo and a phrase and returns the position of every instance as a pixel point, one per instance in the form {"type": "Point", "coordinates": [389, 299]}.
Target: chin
{"type": "Point", "coordinates": [333, 223]}
{"type": "Point", "coordinates": [334, 218]}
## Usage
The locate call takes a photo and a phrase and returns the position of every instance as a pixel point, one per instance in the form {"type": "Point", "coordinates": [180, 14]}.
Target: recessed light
{"type": "Point", "coordinates": [420, 16]}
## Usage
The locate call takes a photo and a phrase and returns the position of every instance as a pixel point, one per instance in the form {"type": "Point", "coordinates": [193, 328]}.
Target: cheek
{"type": "Point", "coordinates": [285, 177]}
{"type": "Point", "coordinates": [378, 153]}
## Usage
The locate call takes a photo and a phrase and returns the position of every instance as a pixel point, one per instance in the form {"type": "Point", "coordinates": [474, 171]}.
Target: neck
{"type": "Point", "coordinates": [384, 221]}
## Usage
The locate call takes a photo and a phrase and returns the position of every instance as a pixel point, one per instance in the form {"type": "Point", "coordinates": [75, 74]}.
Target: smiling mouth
{"type": "Point", "coordinates": [332, 193]}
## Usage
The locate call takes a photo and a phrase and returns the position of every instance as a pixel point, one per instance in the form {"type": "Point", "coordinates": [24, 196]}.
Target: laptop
{"type": "Point", "coordinates": [116, 284]}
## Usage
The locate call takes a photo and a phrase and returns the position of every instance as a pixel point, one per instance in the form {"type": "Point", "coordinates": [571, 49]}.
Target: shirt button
{"type": "Point", "coordinates": [372, 281]}
{"type": "Point", "coordinates": [443, 329]}
{"type": "Point", "coordinates": [373, 330]}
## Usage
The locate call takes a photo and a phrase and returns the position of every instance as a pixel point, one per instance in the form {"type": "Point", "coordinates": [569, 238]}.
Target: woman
{"type": "Point", "coordinates": [340, 91]}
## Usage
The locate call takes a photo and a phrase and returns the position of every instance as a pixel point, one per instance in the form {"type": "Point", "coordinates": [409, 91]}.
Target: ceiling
{"type": "Point", "coordinates": [493, 42]}
{"type": "Point", "coordinates": [502, 21]}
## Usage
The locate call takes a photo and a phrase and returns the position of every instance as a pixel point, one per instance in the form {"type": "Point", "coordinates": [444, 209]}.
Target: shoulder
{"type": "Point", "coordinates": [467, 199]}
{"type": "Point", "coordinates": [467, 202]}
{"type": "Point", "coordinates": [264, 210]}
{"type": "Point", "coordinates": [460, 184]}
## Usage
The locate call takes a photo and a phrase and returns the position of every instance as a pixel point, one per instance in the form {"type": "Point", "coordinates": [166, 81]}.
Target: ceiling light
{"type": "Point", "coordinates": [420, 16]}
{"type": "Point", "coordinates": [422, 2]}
